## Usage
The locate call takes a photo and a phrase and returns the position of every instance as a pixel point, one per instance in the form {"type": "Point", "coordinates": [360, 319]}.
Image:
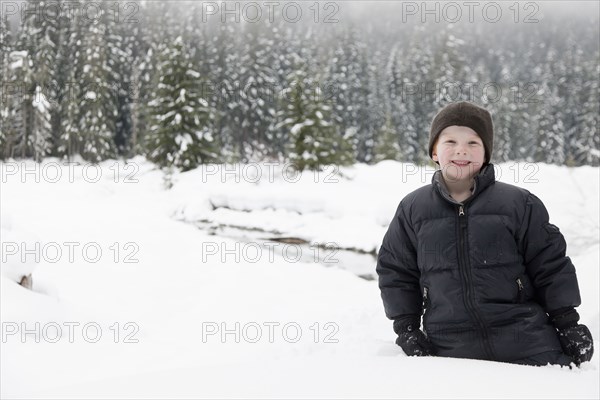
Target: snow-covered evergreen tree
{"type": "Point", "coordinates": [61, 88]}
{"type": "Point", "coordinates": [550, 128]}
{"type": "Point", "coordinates": [38, 38]}
{"type": "Point", "coordinates": [579, 89]}
{"type": "Point", "coordinates": [5, 50]}
{"type": "Point", "coordinates": [251, 108]}
{"type": "Point", "coordinates": [368, 100]}
{"type": "Point", "coordinates": [587, 151]}
{"type": "Point", "coordinates": [6, 46]}
{"type": "Point", "coordinates": [181, 131]}
{"type": "Point", "coordinates": [221, 88]}
{"type": "Point", "coordinates": [415, 104]}
{"type": "Point", "coordinates": [157, 27]}
{"type": "Point", "coordinates": [387, 146]}
{"type": "Point", "coordinates": [124, 42]}
{"type": "Point", "coordinates": [288, 48]}
{"type": "Point", "coordinates": [40, 137]}
{"type": "Point", "coordinates": [71, 135]}
{"type": "Point", "coordinates": [315, 140]}
{"type": "Point", "coordinates": [451, 67]}
{"type": "Point", "coordinates": [95, 120]}
{"type": "Point", "coordinates": [28, 113]}
{"type": "Point", "coordinates": [346, 78]}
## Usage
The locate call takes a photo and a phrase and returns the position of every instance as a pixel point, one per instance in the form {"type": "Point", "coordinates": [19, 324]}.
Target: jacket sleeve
{"type": "Point", "coordinates": [543, 248]}
{"type": "Point", "coordinates": [397, 269]}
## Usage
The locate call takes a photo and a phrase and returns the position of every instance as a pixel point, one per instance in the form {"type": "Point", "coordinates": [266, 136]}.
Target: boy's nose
{"type": "Point", "coordinates": [461, 149]}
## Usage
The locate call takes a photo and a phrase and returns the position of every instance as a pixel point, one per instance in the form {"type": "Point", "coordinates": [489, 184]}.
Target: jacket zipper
{"type": "Point", "coordinates": [521, 290]}
{"type": "Point", "coordinates": [466, 275]}
{"type": "Point", "coordinates": [425, 302]}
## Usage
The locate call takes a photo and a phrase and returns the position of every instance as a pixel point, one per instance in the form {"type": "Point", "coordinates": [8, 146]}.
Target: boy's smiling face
{"type": "Point", "coordinates": [460, 153]}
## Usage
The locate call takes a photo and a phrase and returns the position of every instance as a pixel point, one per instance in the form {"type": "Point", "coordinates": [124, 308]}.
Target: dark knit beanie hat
{"type": "Point", "coordinates": [467, 114]}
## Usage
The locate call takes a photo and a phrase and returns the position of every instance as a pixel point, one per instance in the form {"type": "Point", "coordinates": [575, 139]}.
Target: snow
{"type": "Point", "coordinates": [90, 95]}
{"type": "Point", "coordinates": [181, 98]}
{"type": "Point", "coordinates": [177, 121]}
{"type": "Point", "coordinates": [12, 239]}
{"type": "Point", "coordinates": [17, 58]}
{"type": "Point", "coordinates": [173, 291]}
{"type": "Point", "coordinates": [41, 103]}
{"type": "Point", "coordinates": [182, 140]}
{"type": "Point", "coordinates": [298, 127]}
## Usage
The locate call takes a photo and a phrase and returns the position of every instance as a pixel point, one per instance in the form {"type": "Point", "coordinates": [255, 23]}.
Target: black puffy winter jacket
{"type": "Point", "coordinates": [483, 272]}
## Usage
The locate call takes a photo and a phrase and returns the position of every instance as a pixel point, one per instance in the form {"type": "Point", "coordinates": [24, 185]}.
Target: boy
{"type": "Point", "coordinates": [479, 260]}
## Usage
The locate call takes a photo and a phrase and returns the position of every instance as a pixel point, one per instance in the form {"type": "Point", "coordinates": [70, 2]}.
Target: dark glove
{"type": "Point", "coordinates": [410, 338]}
{"type": "Point", "coordinates": [577, 343]}
{"type": "Point", "coordinates": [575, 339]}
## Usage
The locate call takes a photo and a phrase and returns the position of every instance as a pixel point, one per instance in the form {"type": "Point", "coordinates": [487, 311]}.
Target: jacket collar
{"type": "Point", "coordinates": [484, 178]}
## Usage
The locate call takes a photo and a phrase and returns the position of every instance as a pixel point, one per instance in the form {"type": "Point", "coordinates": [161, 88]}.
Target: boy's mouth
{"type": "Point", "coordinates": [461, 163]}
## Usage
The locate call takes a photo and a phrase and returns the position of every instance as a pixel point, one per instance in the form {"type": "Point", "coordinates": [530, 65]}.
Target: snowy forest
{"type": "Point", "coordinates": [162, 80]}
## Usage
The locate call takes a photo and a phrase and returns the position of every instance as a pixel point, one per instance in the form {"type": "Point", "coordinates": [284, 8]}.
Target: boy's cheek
{"type": "Point", "coordinates": [476, 166]}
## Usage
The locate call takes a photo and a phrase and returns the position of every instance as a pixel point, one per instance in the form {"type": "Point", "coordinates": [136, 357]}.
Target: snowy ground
{"type": "Point", "coordinates": [113, 327]}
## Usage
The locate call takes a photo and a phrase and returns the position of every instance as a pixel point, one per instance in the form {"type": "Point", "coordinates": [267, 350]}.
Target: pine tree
{"type": "Point", "coordinates": [158, 25]}
{"type": "Point", "coordinates": [71, 135]}
{"type": "Point", "coordinates": [579, 93]}
{"type": "Point", "coordinates": [99, 79]}
{"type": "Point", "coordinates": [144, 78]}
{"type": "Point", "coordinates": [223, 87]}
{"type": "Point", "coordinates": [314, 140]}
{"type": "Point", "coordinates": [61, 87]}
{"type": "Point", "coordinates": [28, 114]}
{"type": "Point", "coordinates": [5, 46]}
{"type": "Point", "coordinates": [38, 37]}
{"type": "Point", "coordinates": [196, 37]}
{"type": "Point", "coordinates": [90, 99]}
{"type": "Point", "coordinates": [252, 112]}
{"type": "Point", "coordinates": [416, 104]}
{"type": "Point", "coordinates": [587, 147]}
{"type": "Point", "coordinates": [550, 129]}
{"type": "Point", "coordinates": [123, 43]}
{"type": "Point", "coordinates": [180, 134]}
{"type": "Point", "coordinates": [365, 99]}
{"type": "Point", "coordinates": [40, 138]}
{"type": "Point", "coordinates": [346, 78]}
{"type": "Point", "coordinates": [393, 78]}
{"type": "Point", "coordinates": [451, 67]}
{"type": "Point", "coordinates": [5, 50]}
{"type": "Point", "coordinates": [387, 147]}
{"type": "Point", "coordinates": [287, 49]}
